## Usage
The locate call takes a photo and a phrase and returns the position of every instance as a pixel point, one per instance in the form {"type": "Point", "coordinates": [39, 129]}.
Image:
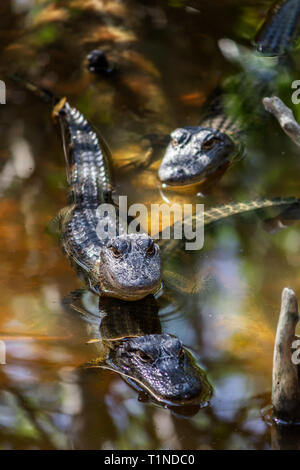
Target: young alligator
{"type": "Point", "coordinates": [195, 153]}
{"type": "Point", "coordinates": [157, 365]}
{"type": "Point", "coordinates": [125, 266]}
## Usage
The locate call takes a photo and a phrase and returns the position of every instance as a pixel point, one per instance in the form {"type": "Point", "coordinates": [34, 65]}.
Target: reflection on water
{"type": "Point", "coordinates": [155, 364]}
{"type": "Point", "coordinates": [225, 300]}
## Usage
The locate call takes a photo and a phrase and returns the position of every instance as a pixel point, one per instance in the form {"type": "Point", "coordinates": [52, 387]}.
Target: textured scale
{"type": "Point", "coordinates": [279, 31]}
{"type": "Point", "coordinates": [222, 212]}
{"type": "Point", "coordinates": [216, 117]}
{"type": "Point", "coordinates": [90, 184]}
{"type": "Point", "coordinates": [89, 175]}
{"type": "Point", "coordinates": [228, 210]}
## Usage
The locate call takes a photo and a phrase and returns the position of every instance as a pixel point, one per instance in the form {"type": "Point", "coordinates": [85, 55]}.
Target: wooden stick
{"type": "Point", "coordinates": [285, 117]}
{"type": "Point", "coordinates": [285, 387]}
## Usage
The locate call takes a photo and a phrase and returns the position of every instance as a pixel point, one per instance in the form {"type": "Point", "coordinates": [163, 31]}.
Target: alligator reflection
{"type": "Point", "coordinates": [130, 342]}
{"type": "Point", "coordinates": [285, 437]}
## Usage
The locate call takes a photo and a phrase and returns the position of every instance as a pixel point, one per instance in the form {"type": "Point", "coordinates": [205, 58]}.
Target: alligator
{"type": "Point", "coordinates": [113, 262]}
{"type": "Point", "coordinates": [129, 341]}
{"type": "Point", "coordinates": [195, 153]}
{"type": "Point", "coordinates": [126, 266]}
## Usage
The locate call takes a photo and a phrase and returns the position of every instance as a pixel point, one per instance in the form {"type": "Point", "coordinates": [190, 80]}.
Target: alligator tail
{"type": "Point", "coordinates": [279, 31]}
{"type": "Point", "coordinates": [86, 154]}
{"type": "Point", "coordinates": [222, 212]}
{"type": "Point", "coordinates": [229, 210]}
{"type": "Point", "coordinates": [87, 158]}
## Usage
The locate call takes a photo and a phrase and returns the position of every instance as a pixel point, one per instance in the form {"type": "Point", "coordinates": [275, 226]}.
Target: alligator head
{"type": "Point", "coordinates": [193, 154]}
{"type": "Point", "coordinates": [130, 267]}
{"type": "Point", "coordinates": [162, 368]}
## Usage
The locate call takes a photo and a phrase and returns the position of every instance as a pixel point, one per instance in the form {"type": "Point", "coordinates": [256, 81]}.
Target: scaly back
{"type": "Point", "coordinates": [88, 171]}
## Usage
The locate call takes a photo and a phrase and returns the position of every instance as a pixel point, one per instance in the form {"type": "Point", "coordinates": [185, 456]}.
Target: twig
{"type": "Point", "coordinates": [285, 387]}
{"type": "Point", "coordinates": [285, 117]}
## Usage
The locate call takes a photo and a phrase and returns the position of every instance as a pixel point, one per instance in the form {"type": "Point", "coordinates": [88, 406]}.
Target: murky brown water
{"type": "Point", "coordinates": [170, 62]}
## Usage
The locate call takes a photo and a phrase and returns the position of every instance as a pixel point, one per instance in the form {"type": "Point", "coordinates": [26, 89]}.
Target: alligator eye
{"type": "Point", "coordinates": [209, 144]}
{"type": "Point", "coordinates": [115, 252]}
{"type": "Point", "coordinates": [150, 250]}
{"type": "Point", "coordinates": [144, 356]}
{"type": "Point", "coordinates": [180, 137]}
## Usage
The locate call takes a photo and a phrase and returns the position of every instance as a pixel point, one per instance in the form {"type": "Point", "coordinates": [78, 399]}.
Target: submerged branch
{"type": "Point", "coordinates": [285, 117]}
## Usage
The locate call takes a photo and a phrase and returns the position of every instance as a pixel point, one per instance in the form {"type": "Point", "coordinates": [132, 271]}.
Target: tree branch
{"type": "Point", "coordinates": [285, 387]}
{"type": "Point", "coordinates": [285, 117]}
